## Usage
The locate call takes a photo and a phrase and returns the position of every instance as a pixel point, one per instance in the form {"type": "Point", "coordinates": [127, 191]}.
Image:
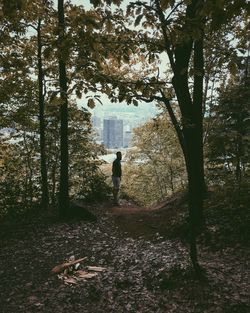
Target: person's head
{"type": "Point", "coordinates": [119, 155]}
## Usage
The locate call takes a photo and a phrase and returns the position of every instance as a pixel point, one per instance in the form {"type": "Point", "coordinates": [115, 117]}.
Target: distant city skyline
{"type": "Point", "coordinates": [106, 130]}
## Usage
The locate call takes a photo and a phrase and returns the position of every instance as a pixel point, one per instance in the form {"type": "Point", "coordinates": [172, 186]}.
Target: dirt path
{"type": "Point", "coordinates": [146, 272]}
{"type": "Point", "coordinates": [127, 207]}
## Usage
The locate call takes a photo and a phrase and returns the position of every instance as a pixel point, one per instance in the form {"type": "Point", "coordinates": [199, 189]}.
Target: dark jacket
{"type": "Point", "coordinates": [117, 168]}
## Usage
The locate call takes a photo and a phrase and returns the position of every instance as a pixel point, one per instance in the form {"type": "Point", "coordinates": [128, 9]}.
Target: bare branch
{"type": "Point", "coordinates": [165, 35]}
{"type": "Point", "coordinates": [173, 10]}
{"type": "Point", "coordinates": [174, 120]}
{"type": "Point", "coordinates": [143, 4]}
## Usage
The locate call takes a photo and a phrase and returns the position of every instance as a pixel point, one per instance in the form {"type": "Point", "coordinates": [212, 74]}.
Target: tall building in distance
{"type": "Point", "coordinates": [113, 133]}
{"type": "Point", "coordinates": [113, 124]}
{"type": "Point", "coordinates": [97, 126]}
{"type": "Point", "coordinates": [127, 139]}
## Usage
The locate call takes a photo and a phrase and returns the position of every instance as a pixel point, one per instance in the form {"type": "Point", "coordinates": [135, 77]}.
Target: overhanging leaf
{"type": "Point", "coordinates": [91, 103]}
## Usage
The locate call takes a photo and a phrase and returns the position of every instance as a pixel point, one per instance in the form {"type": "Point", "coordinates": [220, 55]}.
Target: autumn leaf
{"type": "Point", "coordinates": [138, 19]}
{"type": "Point", "coordinates": [78, 94]}
{"type": "Point", "coordinates": [91, 103]}
{"type": "Point", "coordinates": [70, 280]}
{"type": "Point", "coordinates": [96, 268]}
{"type": "Point", "coordinates": [135, 102]}
{"type": "Point", "coordinates": [232, 66]}
{"type": "Point", "coordinates": [85, 275]}
{"type": "Point", "coordinates": [164, 4]}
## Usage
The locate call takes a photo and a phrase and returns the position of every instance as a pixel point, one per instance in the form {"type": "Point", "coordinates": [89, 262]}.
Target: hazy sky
{"type": "Point", "coordinates": [80, 2]}
{"type": "Point", "coordinates": [107, 108]}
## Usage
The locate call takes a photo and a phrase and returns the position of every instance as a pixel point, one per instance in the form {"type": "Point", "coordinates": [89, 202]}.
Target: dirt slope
{"type": "Point", "coordinates": [146, 271]}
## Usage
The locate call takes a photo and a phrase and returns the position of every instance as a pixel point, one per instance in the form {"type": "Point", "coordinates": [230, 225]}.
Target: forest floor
{"type": "Point", "coordinates": [142, 259]}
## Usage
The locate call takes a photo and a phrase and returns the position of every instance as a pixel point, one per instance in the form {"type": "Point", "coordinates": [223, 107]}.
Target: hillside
{"type": "Point", "coordinates": [144, 258]}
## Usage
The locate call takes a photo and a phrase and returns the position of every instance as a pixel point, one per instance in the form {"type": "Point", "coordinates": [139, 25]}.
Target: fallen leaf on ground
{"type": "Point", "coordinates": [86, 275]}
{"type": "Point", "coordinates": [96, 268]}
{"type": "Point", "coordinates": [70, 280]}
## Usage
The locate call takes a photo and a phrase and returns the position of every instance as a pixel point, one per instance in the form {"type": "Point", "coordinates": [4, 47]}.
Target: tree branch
{"type": "Point", "coordinates": [174, 9]}
{"type": "Point", "coordinates": [165, 35]}
{"type": "Point", "coordinates": [175, 123]}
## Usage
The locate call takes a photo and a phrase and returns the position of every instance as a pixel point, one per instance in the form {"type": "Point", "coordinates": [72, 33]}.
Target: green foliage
{"type": "Point", "coordinates": [20, 155]}
{"type": "Point", "coordinates": [133, 73]}
{"type": "Point", "coordinates": [83, 155]}
{"type": "Point", "coordinates": [19, 108]}
{"type": "Point", "coordinates": [228, 215]}
{"type": "Point", "coordinates": [229, 140]}
{"type": "Point", "coordinates": [156, 167]}
{"type": "Point", "coordinates": [19, 173]}
{"type": "Point", "coordinates": [20, 158]}
{"type": "Point", "coordinates": [86, 180]}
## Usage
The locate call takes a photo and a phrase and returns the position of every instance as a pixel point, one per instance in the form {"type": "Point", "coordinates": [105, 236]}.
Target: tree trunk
{"type": "Point", "coordinates": [29, 174]}
{"type": "Point", "coordinates": [194, 166]}
{"type": "Point", "coordinates": [195, 188]}
{"type": "Point", "coordinates": [64, 175]}
{"type": "Point", "coordinates": [198, 105]}
{"type": "Point", "coordinates": [191, 110]}
{"type": "Point", "coordinates": [53, 178]}
{"type": "Point", "coordinates": [44, 175]}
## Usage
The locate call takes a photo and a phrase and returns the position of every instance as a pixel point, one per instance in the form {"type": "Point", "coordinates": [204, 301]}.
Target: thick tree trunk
{"type": "Point", "coordinates": [64, 175]}
{"type": "Point", "coordinates": [44, 175]}
{"type": "Point", "coordinates": [191, 110]}
{"type": "Point", "coordinates": [194, 165]}
{"type": "Point", "coordinates": [195, 188]}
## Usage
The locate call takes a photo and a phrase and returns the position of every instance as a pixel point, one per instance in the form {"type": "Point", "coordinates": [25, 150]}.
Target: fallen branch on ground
{"type": "Point", "coordinates": [60, 268]}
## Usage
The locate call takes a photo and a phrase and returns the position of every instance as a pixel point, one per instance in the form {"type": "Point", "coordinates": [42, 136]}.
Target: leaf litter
{"type": "Point", "coordinates": [121, 273]}
{"type": "Point", "coordinates": [71, 272]}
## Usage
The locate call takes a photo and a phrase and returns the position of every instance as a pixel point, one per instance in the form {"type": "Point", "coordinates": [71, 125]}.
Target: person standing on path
{"type": "Point", "coordinates": [116, 176]}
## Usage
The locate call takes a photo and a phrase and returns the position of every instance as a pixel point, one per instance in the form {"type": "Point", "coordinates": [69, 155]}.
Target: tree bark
{"type": "Point", "coordinates": [191, 111]}
{"type": "Point", "coordinates": [192, 138]}
{"type": "Point", "coordinates": [64, 158]}
{"type": "Point", "coordinates": [198, 100]}
{"type": "Point", "coordinates": [44, 174]}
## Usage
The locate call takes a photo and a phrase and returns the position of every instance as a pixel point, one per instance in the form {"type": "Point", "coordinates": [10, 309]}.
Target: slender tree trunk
{"type": "Point", "coordinates": [64, 175]}
{"type": "Point", "coordinates": [238, 172]}
{"type": "Point", "coordinates": [53, 178]}
{"type": "Point", "coordinates": [29, 174]}
{"type": "Point", "coordinates": [44, 174]}
{"type": "Point", "coordinates": [53, 189]}
{"type": "Point", "coordinates": [171, 178]}
{"type": "Point", "coordinates": [209, 124]}
{"type": "Point", "coordinates": [198, 96]}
